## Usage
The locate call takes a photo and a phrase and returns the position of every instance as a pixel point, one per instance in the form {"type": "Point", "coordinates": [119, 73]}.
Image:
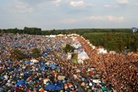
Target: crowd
{"type": "Point", "coordinates": [118, 69]}
{"type": "Point", "coordinates": [51, 72]}
{"type": "Point", "coordinates": [54, 73]}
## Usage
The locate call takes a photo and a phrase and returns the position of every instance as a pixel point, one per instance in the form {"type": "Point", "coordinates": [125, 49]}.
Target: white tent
{"type": "Point", "coordinates": [49, 62]}
{"type": "Point", "coordinates": [93, 47]}
{"type": "Point", "coordinates": [46, 80]}
{"type": "Point", "coordinates": [91, 69]}
{"type": "Point", "coordinates": [34, 61]}
{"type": "Point", "coordinates": [102, 51]}
{"type": "Point", "coordinates": [76, 45]}
{"type": "Point", "coordinates": [82, 55]}
{"type": "Point", "coordinates": [52, 36]}
{"type": "Point", "coordinates": [80, 61]}
{"type": "Point", "coordinates": [61, 77]}
{"type": "Point", "coordinates": [112, 52]}
{"type": "Point", "coordinates": [96, 81]}
{"type": "Point", "coordinates": [69, 56]}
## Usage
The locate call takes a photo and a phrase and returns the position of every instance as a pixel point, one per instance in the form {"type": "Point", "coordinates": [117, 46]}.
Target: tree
{"type": "Point", "coordinates": [17, 54]}
{"type": "Point", "coordinates": [35, 53]}
{"type": "Point", "coordinates": [68, 48]}
{"type": "Point", "coordinates": [32, 30]}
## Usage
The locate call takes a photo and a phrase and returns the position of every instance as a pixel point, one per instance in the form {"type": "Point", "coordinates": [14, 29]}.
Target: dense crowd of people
{"type": "Point", "coordinates": [53, 72]}
{"type": "Point", "coordinates": [118, 69]}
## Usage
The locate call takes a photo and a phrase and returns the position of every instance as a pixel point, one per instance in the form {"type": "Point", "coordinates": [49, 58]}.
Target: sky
{"type": "Point", "coordinates": [68, 14]}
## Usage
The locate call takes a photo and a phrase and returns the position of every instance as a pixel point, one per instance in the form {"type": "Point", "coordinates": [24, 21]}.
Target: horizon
{"type": "Point", "coordinates": [64, 29]}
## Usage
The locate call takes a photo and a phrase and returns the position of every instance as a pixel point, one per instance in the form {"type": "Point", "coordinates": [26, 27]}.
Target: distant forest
{"type": "Point", "coordinates": [118, 40]}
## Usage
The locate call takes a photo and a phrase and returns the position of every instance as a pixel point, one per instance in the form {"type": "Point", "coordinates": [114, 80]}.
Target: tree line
{"type": "Point", "coordinates": [26, 30]}
{"type": "Point", "coordinates": [118, 42]}
{"type": "Point", "coordinates": [38, 31]}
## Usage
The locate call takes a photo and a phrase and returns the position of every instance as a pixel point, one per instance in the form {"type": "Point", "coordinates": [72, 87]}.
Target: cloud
{"type": "Point", "coordinates": [107, 5]}
{"type": "Point", "coordinates": [95, 18]}
{"type": "Point", "coordinates": [109, 18]}
{"type": "Point", "coordinates": [114, 18]}
{"type": "Point", "coordinates": [57, 2]}
{"type": "Point", "coordinates": [77, 3]}
{"type": "Point", "coordinates": [35, 3]}
{"type": "Point", "coordinates": [22, 7]}
{"type": "Point", "coordinates": [106, 18]}
{"type": "Point", "coordinates": [122, 1]}
{"type": "Point", "coordinates": [28, 6]}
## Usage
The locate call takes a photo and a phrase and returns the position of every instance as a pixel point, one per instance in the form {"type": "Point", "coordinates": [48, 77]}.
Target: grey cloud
{"type": "Point", "coordinates": [36, 2]}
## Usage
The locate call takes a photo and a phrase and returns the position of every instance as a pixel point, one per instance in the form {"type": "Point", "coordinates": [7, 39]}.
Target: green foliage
{"type": "Point", "coordinates": [26, 30]}
{"type": "Point", "coordinates": [86, 30]}
{"type": "Point", "coordinates": [17, 54]}
{"type": "Point", "coordinates": [68, 48]}
{"type": "Point", "coordinates": [114, 41]}
{"type": "Point", "coordinates": [33, 30]}
{"type": "Point", "coordinates": [35, 53]}
{"type": "Point", "coordinates": [37, 31]}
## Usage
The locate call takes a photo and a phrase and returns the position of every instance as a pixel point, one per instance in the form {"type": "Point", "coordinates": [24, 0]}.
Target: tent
{"type": "Point", "coordinates": [55, 87]}
{"type": "Point", "coordinates": [134, 29]}
{"type": "Point", "coordinates": [52, 36]}
{"type": "Point", "coordinates": [80, 61]}
{"type": "Point", "coordinates": [112, 52]}
{"type": "Point", "coordinates": [76, 45]}
{"type": "Point", "coordinates": [21, 82]}
{"type": "Point", "coordinates": [27, 62]}
{"type": "Point", "coordinates": [102, 51]}
{"type": "Point", "coordinates": [43, 68]}
{"type": "Point", "coordinates": [82, 55]}
{"type": "Point", "coordinates": [61, 77]}
{"type": "Point", "coordinates": [96, 81]}
{"type": "Point", "coordinates": [58, 87]}
{"type": "Point", "coordinates": [53, 66]}
{"type": "Point", "coordinates": [34, 61]}
{"type": "Point", "coordinates": [69, 56]}
{"type": "Point", "coordinates": [50, 87]}
{"type": "Point", "coordinates": [45, 80]}
{"type": "Point", "coordinates": [91, 69]}
{"type": "Point", "coordinates": [49, 62]}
